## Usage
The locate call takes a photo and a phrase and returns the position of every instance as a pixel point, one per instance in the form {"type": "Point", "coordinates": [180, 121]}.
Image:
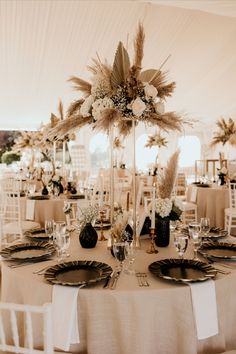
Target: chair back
{"type": "Point", "coordinates": [17, 319]}
{"type": "Point", "coordinates": [232, 195]}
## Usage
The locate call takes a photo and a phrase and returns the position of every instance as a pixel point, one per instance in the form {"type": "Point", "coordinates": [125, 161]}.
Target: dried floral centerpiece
{"type": "Point", "coordinates": [166, 207]}
{"type": "Point", "coordinates": [119, 94]}
{"type": "Point", "coordinates": [156, 140]}
{"type": "Point", "coordinates": [88, 235]}
{"type": "Point", "coordinates": [226, 132]}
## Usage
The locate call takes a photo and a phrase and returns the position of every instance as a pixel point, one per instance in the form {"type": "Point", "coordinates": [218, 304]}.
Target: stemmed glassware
{"type": "Point", "coordinates": [49, 227]}
{"type": "Point", "coordinates": [131, 254]}
{"type": "Point", "coordinates": [181, 243]}
{"type": "Point", "coordinates": [120, 250]}
{"type": "Point", "coordinates": [194, 230]}
{"type": "Point", "coordinates": [205, 226]}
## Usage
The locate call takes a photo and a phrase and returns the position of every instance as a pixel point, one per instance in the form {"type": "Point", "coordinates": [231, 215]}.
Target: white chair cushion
{"type": "Point", "coordinates": [230, 211]}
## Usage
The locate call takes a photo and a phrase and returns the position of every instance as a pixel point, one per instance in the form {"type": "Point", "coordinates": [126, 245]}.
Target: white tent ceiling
{"type": "Point", "coordinates": [44, 42]}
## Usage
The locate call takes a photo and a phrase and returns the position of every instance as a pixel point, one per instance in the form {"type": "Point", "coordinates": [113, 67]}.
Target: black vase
{"type": "Point", "coordinates": [61, 188]}
{"type": "Point", "coordinates": [88, 236]}
{"type": "Point", "coordinates": [162, 238]}
{"type": "Point", "coordinates": [44, 191]}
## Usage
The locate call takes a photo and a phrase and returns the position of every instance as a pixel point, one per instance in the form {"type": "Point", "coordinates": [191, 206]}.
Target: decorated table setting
{"type": "Point", "coordinates": [109, 290]}
{"type": "Point", "coordinates": [165, 301]}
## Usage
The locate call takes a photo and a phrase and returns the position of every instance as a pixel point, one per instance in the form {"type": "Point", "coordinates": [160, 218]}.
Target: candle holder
{"type": "Point", "coordinates": [152, 248]}
{"type": "Point", "coordinates": [102, 216]}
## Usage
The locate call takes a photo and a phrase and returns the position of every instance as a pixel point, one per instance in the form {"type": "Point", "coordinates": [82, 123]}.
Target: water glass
{"type": "Point", "coordinates": [131, 254]}
{"type": "Point", "coordinates": [205, 226]}
{"type": "Point", "coordinates": [181, 243]}
{"type": "Point", "coordinates": [195, 234]}
{"type": "Point", "coordinates": [49, 227]}
{"type": "Point", "coordinates": [120, 250]}
{"type": "Point", "coordinates": [59, 227]}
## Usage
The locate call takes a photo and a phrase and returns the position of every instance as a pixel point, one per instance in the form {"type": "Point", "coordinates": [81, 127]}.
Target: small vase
{"type": "Point", "coordinates": [162, 238]}
{"type": "Point", "coordinates": [88, 236]}
{"type": "Point", "coordinates": [44, 191]}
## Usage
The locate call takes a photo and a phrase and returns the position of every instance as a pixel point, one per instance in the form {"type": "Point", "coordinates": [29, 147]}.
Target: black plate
{"type": "Point", "coordinates": [28, 251]}
{"type": "Point", "coordinates": [220, 250]}
{"type": "Point", "coordinates": [76, 196]}
{"type": "Point", "coordinates": [216, 232]}
{"type": "Point", "coordinates": [106, 226]}
{"type": "Point", "coordinates": [77, 273]}
{"type": "Point", "coordinates": [182, 270]}
{"type": "Point", "coordinates": [37, 234]}
{"type": "Point", "coordinates": [39, 197]}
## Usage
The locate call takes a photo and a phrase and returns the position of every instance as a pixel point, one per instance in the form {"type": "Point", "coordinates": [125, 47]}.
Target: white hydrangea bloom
{"type": "Point", "coordinates": [160, 107]}
{"type": "Point", "coordinates": [99, 106]}
{"type": "Point", "coordinates": [138, 107]}
{"type": "Point", "coordinates": [163, 207]}
{"type": "Point", "coordinates": [150, 91]}
{"type": "Point", "coordinates": [85, 109]}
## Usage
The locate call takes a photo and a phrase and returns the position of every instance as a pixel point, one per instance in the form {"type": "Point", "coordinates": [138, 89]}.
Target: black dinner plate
{"type": "Point", "coordinates": [76, 273]}
{"type": "Point", "coordinates": [220, 250]}
{"type": "Point", "coordinates": [182, 270]}
{"type": "Point", "coordinates": [216, 232]}
{"type": "Point", "coordinates": [28, 251]}
{"type": "Point", "coordinates": [37, 234]}
{"type": "Point", "coordinates": [76, 196]}
{"type": "Point", "coordinates": [39, 197]}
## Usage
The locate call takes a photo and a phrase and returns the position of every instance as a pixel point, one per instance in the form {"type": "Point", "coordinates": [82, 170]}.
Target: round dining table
{"type": "Point", "coordinates": [46, 209]}
{"type": "Point", "coordinates": [155, 319]}
{"type": "Point", "coordinates": [211, 202]}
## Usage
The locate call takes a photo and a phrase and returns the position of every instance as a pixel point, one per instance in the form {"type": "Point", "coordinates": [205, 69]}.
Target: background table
{"type": "Point", "coordinates": [211, 203]}
{"type": "Point", "coordinates": [132, 319]}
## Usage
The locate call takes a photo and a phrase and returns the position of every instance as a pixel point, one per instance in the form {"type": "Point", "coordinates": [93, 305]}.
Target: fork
{"type": "Point", "coordinates": [142, 279]}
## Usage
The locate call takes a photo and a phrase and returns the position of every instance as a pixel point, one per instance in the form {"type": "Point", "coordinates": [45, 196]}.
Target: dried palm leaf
{"type": "Point", "coordinates": [157, 78]}
{"type": "Point", "coordinates": [74, 107]}
{"type": "Point", "coordinates": [167, 179]}
{"type": "Point", "coordinates": [124, 127]}
{"type": "Point", "coordinates": [53, 120]}
{"type": "Point", "coordinates": [226, 133]}
{"type": "Point", "coordinates": [61, 110]}
{"type": "Point", "coordinates": [121, 66]}
{"type": "Point", "coordinates": [106, 120]}
{"type": "Point", "coordinates": [100, 68]}
{"type": "Point", "coordinates": [156, 140]}
{"type": "Point", "coordinates": [68, 126]}
{"type": "Point", "coordinates": [81, 85]}
{"type": "Point", "coordinates": [167, 121]}
{"type": "Point", "coordinates": [138, 49]}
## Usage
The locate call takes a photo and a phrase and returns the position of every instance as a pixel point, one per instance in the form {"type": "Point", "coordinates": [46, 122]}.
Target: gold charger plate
{"type": "Point", "coordinates": [28, 251]}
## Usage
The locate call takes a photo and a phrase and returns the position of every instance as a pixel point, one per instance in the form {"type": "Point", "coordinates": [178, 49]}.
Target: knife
{"type": "Point", "coordinates": [109, 279]}
{"type": "Point", "coordinates": [114, 280]}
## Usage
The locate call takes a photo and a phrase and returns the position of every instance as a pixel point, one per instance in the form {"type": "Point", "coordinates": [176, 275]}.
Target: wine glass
{"type": "Point", "coordinates": [49, 226]}
{"type": "Point", "coordinates": [205, 226]}
{"type": "Point", "coordinates": [194, 229]}
{"type": "Point", "coordinates": [66, 244]}
{"type": "Point", "coordinates": [59, 227]}
{"type": "Point", "coordinates": [181, 243]}
{"type": "Point", "coordinates": [131, 254]}
{"type": "Point", "coordinates": [120, 250]}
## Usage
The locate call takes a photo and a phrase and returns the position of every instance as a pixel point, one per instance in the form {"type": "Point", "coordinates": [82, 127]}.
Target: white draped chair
{"type": "Point", "coordinates": [12, 225]}
{"type": "Point", "coordinates": [230, 213]}
{"type": "Point", "coordinates": [18, 317]}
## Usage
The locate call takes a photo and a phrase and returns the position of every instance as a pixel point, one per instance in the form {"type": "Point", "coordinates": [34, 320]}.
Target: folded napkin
{"type": "Point", "coordinates": [204, 308]}
{"type": "Point", "coordinates": [65, 317]}
{"type": "Point", "coordinates": [30, 206]}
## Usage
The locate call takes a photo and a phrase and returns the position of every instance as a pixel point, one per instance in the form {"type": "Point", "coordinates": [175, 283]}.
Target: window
{"type": "Point", "coordinates": [145, 157]}
{"type": "Point", "coordinates": [190, 150]}
{"type": "Point", "coordinates": [99, 152]}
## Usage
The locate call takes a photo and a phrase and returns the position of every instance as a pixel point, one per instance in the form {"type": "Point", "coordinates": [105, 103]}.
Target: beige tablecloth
{"type": "Point", "coordinates": [211, 203]}
{"type": "Point", "coordinates": [132, 320]}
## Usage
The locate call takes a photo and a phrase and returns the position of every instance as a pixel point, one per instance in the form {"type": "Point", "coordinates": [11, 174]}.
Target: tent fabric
{"type": "Point", "coordinates": [44, 42]}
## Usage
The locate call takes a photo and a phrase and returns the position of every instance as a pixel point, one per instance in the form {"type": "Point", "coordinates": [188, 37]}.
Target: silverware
{"type": "Point", "coordinates": [114, 280]}
{"type": "Point", "coordinates": [142, 279]}
{"type": "Point", "coordinates": [108, 280]}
